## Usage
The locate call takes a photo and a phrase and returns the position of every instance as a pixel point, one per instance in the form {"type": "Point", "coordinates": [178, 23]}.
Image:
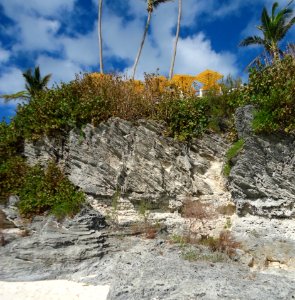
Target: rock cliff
{"type": "Point", "coordinates": [262, 181]}
{"type": "Point", "coordinates": [133, 173]}
{"type": "Point", "coordinates": [127, 169]}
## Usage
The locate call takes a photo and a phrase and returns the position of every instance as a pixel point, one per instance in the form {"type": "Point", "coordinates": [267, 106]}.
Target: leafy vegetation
{"type": "Point", "coordinates": [271, 90]}
{"type": "Point", "coordinates": [221, 248]}
{"type": "Point", "coordinates": [12, 174]}
{"type": "Point", "coordinates": [231, 153]}
{"type": "Point", "coordinates": [94, 98]}
{"type": "Point", "coordinates": [39, 190]}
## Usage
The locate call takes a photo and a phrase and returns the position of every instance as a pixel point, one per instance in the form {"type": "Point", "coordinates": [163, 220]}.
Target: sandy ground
{"type": "Point", "coordinates": [52, 290]}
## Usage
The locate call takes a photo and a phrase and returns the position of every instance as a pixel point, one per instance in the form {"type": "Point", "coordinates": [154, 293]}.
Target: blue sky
{"type": "Point", "coordinates": [61, 37]}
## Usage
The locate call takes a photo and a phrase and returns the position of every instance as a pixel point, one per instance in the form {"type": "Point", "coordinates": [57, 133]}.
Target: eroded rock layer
{"type": "Point", "coordinates": [262, 181]}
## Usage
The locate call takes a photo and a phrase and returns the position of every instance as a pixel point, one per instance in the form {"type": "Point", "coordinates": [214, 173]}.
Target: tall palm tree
{"type": "Point", "coordinates": [151, 5]}
{"type": "Point", "coordinates": [34, 84]}
{"type": "Point", "coordinates": [176, 39]}
{"type": "Point", "coordinates": [274, 28]}
{"type": "Point", "coordinates": [100, 35]}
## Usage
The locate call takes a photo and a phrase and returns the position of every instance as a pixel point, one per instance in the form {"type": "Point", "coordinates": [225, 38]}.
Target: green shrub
{"type": "Point", "coordinates": [272, 90]}
{"type": "Point", "coordinates": [12, 175]}
{"type": "Point", "coordinates": [39, 190]}
{"type": "Point", "coordinates": [225, 243]}
{"type": "Point", "coordinates": [231, 153]}
{"type": "Point", "coordinates": [185, 118]}
{"type": "Point", "coordinates": [93, 99]}
{"type": "Point", "coordinates": [11, 142]}
{"type": "Point", "coordinates": [48, 190]}
{"type": "Point", "coordinates": [222, 107]}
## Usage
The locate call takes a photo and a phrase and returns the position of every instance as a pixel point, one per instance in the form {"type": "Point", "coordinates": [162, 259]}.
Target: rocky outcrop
{"type": "Point", "coordinates": [50, 246]}
{"type": "Point", "coordinates": [127, 169]}
{"type": "Point", "coordinates": [262, 181]}
{"type": "Point", "coordinates": [154, 270]}
{"type": "Point", "coordinates": [82, 250]}
{"type": "Point", "coordinates": [132, 173]}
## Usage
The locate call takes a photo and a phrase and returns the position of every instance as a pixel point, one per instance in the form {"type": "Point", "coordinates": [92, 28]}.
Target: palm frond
{"type": "Point", "coordinates": [274, 7]}
{"type": "Point", "coordinates": [252, 40]}
{"type": "Point", "coordinates": [19, 95]}
{"type": "Point", "coordinates": [287, 27]}
{"type": "Point", "coordinates": [37, 74]}
{"type": "Point", "coordinates": [45, 80]}
{"type": "Point", "coordinates": [265, 19]}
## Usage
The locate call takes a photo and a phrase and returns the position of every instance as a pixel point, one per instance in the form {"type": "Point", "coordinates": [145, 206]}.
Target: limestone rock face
{"type": "Point", "coordinates": [262, 181]}
{"type": "Point", "coordinates": [243, 120]}
{"type": "Point", "coordinates": [138, 163]}
{"type": "Point", "coordinates": [131, 167]}
{"type": "Point", "coordinates": [51, 244]}
{"type": "Point", "coordinates": [126, 168]}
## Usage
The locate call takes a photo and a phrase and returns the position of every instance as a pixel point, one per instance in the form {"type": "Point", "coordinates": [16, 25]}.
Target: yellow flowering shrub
{"type": "Point", "coordinates": [184, 83]}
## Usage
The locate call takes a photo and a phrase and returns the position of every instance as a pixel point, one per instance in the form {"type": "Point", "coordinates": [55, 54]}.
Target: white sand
{"type": "Point", "coordinates": [52, 290]}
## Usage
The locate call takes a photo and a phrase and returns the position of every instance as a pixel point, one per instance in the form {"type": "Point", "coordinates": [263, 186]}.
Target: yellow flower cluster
{"type": "Point", "coordinates": [182, 82]}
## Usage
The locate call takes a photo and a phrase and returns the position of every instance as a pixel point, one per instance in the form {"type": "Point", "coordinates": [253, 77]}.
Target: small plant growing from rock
{"type": "Point", "coordinates": [228, 209]}
{"type": "Point", "coordinates": [149, 230]}
{"type": "Point", "coordinates": [231, 153]}
{"type": "Point", "coordinates": [225, 243]}
{"type": "Point", "coordinates": [195, 210]}
{"type": "Point", "coordinates": [228, 223]}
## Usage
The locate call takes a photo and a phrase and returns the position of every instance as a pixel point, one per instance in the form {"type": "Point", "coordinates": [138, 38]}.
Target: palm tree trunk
{"type": "Point", "coordinates": [142, 43]}
{"type": "Point", "coordinates": [100, 35]}
{"type": "Point", "coordinates": [176, 39]}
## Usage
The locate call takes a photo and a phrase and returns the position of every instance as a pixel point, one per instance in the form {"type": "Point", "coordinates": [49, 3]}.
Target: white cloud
{"type": "Point", "coordinates": [37, 34]}
{"type": "Point", "coordinates": [4, 55]}
{"type": "Point", "coordinates": [121, 39]}
{"type": "Point", "coordinates": [82, 49]}
{"type": "Point", "coordinates": [61, 69]}
{"type": "Point", "coordinates": [41, 7]}
{"type": "Point", "coordinates": [194, 54]}
{"type": "Point", "coordinates": [11, 81]}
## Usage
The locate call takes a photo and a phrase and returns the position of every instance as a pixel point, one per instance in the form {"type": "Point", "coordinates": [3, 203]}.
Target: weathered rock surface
{"type": "Point", "coordinates": [270, 242]}
{"type": "Point", "coordinates": [133, 267]}
{"type": "Point", "coordinates": [132, 173]}
{"type": "Point", "coordinates": [136, 161]}
{"type": "Point", "coordinates": [126, 168]}
{"type": "Point", "coordinates": [149, 271]}
{"type": "Point", "coordinates": [262, 181]}
{"type": "Point", "coordinates": [51, 245]}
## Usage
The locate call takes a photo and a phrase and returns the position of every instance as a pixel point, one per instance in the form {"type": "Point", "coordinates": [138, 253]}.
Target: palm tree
{"type": "Point", "coordinates": [176, 39]}
{"type": "Point", "coordinates": [274, 28]}
{"type": "Point", "coordinates": [151, 5]}
{"type": "Point", "coordinates": [100, 35]}
{"type": "Point", "coordinates": [34, 84]}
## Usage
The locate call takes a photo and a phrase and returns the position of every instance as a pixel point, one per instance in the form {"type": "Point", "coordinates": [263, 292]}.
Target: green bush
{"type": "Point", "coordinates": [12, 175]}
{"type": "Point", "coordinates": [231, 153]}
{"type": "Point", "coordinates": [39, 190]}
{"type": "Point", "coordinates": [185, 118]}
{"type": "Point", "coordinates": [93, 99]}
{"type": "Point", "coordinates": [272, 90]}
{"type": "Point", "coordinates": [11, 142]}
{"type": "Point", "coordinates": [48, 190]}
